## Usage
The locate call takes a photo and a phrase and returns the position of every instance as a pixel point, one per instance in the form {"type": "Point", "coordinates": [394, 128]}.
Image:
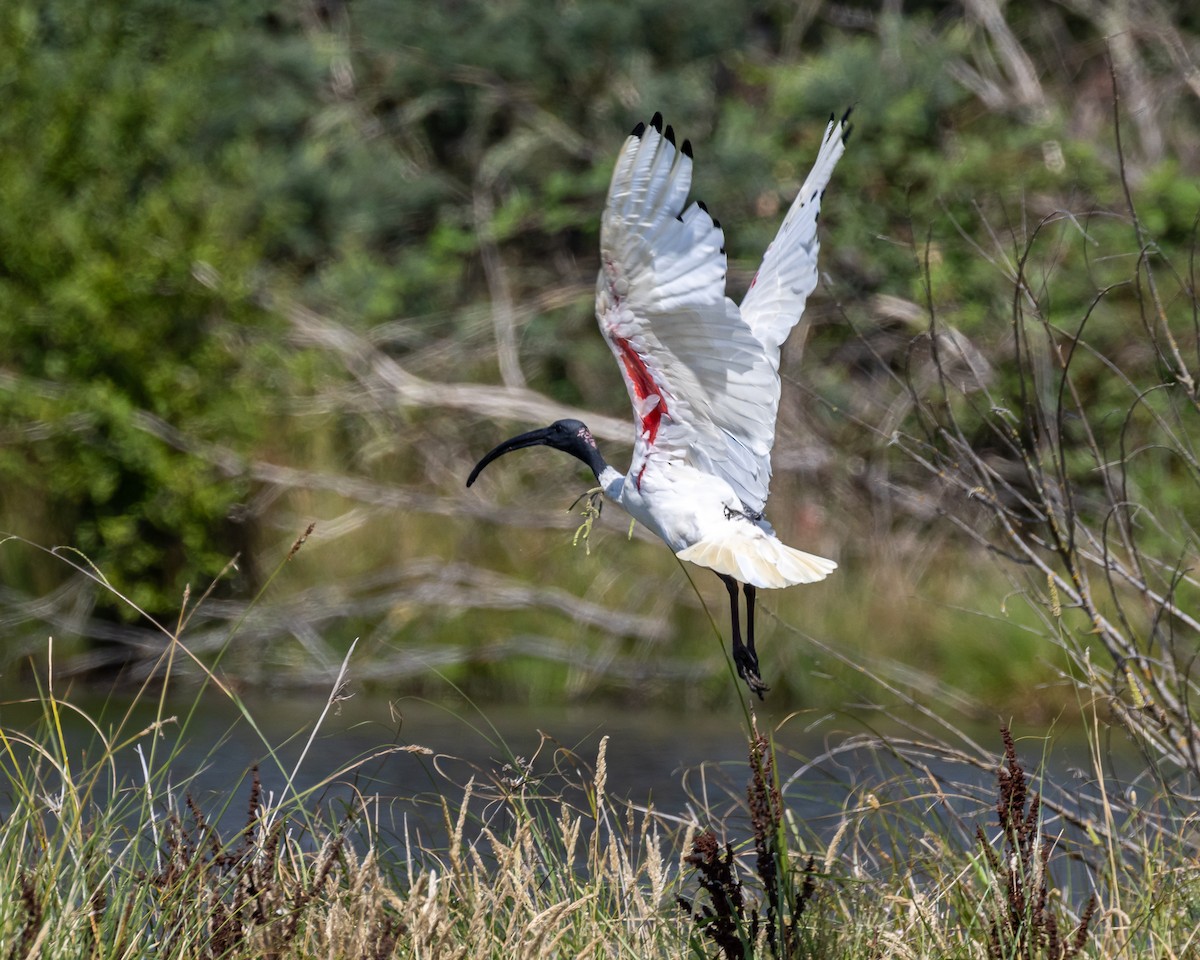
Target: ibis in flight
{"type": "Point", "coordinates": [702, 372]}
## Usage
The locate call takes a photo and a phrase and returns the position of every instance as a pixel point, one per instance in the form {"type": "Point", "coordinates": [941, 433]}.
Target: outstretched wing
{"type": "Point", "coordinates": [704, 386]}
{"type": "Point", "coordinates": [775, 300]}
{"type": "Point", "coordinates": [700, 383]}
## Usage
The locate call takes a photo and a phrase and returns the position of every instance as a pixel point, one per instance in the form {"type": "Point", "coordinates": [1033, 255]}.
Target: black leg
{"type": "Point", "coordinates": [732, 586]}
{"type": "Point", "coordinates": [744, 656]}
{"type": "Point", "coordinates": [752, 677]}
{"type": "Point", "coordinates": [751, 593]}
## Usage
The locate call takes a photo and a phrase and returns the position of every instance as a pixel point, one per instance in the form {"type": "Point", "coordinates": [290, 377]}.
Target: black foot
{"type": "Point", "coordinates": [747, 668]}
{"type": "Point", "coordinates": [744, 656]}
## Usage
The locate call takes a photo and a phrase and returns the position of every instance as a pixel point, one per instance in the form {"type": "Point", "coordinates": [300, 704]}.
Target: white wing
{"type": "Point", "coordinates": [775, 300]}
{"type": "Point", "coordinates": [704, 386]}
{"type": "Point", "coordinates": [701, 387]}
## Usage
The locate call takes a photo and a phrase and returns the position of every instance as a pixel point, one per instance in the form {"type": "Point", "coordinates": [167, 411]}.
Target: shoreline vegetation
{"type": "Point", "coordinates": [278, 266]}
{"type": "Point", "coordinates": [117, 849]}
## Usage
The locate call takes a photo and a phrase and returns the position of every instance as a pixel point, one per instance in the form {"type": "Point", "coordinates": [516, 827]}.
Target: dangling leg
{"type": "Point", "coordinates": [743, 656]}
{"type": "Point", "coordinates": [751, 676]}
{"type": "Point", "coordinates": [738, 649]}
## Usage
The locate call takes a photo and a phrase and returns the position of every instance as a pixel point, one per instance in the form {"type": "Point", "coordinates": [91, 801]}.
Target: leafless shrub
{"type": "Point", "coordinates": [1052, 467]}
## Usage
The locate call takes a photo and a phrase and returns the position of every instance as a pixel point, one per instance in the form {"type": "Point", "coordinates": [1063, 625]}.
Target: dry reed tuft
{"type": "Point", "coordinates": [722, 918]}
{"type": "Point", "coordinates": [554, 866]}
{"type": "Point", "coordinates": [537, 863]}
{"type": "Point", "coordinates": [1023, 922]}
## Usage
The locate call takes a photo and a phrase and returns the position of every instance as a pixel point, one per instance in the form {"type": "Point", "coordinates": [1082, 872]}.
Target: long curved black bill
{"type": "Point", "coordinates": [531, 439]}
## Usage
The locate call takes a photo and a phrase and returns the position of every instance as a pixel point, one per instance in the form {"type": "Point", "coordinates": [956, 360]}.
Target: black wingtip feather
{"type": "Point", "coordinates": [669, 133]}
{"type": "Point", "coordinates": [687, 149]}
{"type": "Point", "coordinates": [702, 205]}
{"type": "Point", "coordinates": [846, 127]}
{"type": "Point", "coordinates": [656, 121]}
{"type": "Point", "coordinates": [638, 130]}
{"type": "Point", "coordinates": [716, 223]}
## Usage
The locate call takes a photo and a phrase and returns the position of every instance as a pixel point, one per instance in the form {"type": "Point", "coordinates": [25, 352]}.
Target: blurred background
{"type": "Point", "coordinates": [272, 265]}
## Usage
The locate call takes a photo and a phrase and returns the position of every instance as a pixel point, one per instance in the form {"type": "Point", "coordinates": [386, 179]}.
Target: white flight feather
{"type": "Point", "coordinates": [747, 553]}
{"type": "Point", "coordinates": [788, 274]}
{"type": "Point", "coordinates": [661, 289]}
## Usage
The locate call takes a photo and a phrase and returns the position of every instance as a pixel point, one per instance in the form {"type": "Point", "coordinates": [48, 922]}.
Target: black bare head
{"type": "Point", "coordinates": [569, 436]}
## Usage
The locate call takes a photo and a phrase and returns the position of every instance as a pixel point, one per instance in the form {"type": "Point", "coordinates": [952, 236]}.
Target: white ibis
{"type": "Point", "coordinates": [702, 373]}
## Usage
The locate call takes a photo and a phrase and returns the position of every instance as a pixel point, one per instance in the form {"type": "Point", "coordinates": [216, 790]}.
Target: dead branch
{"type": "Point", "coordinates": [1018, 67]}
{"type": "Point", "coordinates": [393, 385]}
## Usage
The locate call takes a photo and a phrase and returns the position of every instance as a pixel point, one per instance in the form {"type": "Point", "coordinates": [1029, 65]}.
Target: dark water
{"type": "Point", "coordinates": [405, 755]}
{"type": "Point", "coordinates": [653, 756]}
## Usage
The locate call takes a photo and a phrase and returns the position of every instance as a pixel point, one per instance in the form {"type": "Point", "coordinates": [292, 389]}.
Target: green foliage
{"type": "Point", "coordinates": [175, 174]}
{"type": "Point", "coordinates": [138, 216]}
{"type": "Point", "coordinates": [168, 162]}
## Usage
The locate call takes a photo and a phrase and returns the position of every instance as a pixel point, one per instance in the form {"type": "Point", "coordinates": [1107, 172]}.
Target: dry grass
{"type": "Point", "coordinates": [95, 862]}
{"type": "Point", "coordinates": [941, 847]}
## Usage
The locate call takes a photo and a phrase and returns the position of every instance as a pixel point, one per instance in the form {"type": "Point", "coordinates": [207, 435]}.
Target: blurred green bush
{"type": "Point", "coordinates": [174, 173]}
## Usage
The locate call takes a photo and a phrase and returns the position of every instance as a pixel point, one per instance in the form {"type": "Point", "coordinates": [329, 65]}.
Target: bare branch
{"type": "Point", "coordinates": [1017, 64]}
{"type": "Point", "coordinates": [395, 385]}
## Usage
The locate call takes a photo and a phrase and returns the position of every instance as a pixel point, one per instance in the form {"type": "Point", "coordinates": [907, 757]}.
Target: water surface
{"type": "Point", "coordinates": [405, 755]}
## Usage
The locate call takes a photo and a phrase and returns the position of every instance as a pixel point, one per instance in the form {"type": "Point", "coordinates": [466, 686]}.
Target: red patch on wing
{"type": "Point", "coordinates": [643, 387]}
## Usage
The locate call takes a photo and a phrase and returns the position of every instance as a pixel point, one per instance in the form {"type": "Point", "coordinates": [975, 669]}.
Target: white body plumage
{"type": "Point", "coordinates": [702, 372]}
